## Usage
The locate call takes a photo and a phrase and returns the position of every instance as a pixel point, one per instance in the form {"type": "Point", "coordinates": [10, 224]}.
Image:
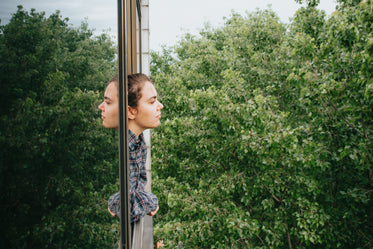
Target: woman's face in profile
{"type": "Point", "coordinates": [109, 107]}
{"type": "Point", "coordinates": [147, 114]}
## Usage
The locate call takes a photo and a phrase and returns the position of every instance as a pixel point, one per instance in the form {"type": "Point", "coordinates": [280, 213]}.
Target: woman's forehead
{"type": "Point", "coordinates": [148, 91]}
{"type": "Point", "coordinates": [111, 91]}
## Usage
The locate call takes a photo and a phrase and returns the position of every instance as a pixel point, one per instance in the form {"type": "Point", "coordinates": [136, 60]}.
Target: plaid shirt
{"type": "Point", "coordinates": [141, 202]}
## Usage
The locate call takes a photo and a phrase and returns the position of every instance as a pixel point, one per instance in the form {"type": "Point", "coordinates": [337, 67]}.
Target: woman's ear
{"type": "Point", "coordinates": [131, 113]}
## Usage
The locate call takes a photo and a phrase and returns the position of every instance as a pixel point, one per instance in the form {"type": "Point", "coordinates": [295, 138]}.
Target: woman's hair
{"type": "Point", "coordinates": [136, 83]}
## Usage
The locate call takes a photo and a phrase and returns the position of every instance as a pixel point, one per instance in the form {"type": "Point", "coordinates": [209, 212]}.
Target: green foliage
{"type": "Point", "coordinates": [310, 3]}
{"type": "Point", "coordinates": [267, 134]}
{"type": "Point", "coordinates": [57, 162]}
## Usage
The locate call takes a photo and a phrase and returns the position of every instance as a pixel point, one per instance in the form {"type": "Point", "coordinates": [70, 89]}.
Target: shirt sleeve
{"type": "Point", "coordinates": [142, 203]}
{"type": "Point", "coordinates": [114, 204]}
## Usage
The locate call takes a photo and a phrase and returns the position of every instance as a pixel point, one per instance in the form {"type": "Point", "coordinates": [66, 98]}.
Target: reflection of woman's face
{"type": "Point", "coordinates": [109, 108]}
{"type": "Point", "coordinates": [148, 112]}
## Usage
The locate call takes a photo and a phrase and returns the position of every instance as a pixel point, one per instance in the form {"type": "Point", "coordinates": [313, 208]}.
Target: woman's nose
{"type": "Point", "coordinates": [101, 106]}
{"type": "Point", "coordinates": [160, 106]}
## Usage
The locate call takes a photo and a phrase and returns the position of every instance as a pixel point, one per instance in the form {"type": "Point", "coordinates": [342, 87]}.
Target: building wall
{"type": "Point", "coordinates": [147, 225]}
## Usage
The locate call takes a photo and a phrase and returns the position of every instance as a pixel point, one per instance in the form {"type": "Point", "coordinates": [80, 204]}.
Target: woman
{"type": "Point", "coordinates": [144, 112]}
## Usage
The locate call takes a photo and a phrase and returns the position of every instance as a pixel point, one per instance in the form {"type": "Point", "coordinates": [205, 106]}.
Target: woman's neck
{"type": "Point", "coordinates": [134, 128]}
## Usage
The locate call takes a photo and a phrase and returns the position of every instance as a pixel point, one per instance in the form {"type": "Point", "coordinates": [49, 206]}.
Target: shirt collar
{"type": "Point", "coordinates": [134, 141]}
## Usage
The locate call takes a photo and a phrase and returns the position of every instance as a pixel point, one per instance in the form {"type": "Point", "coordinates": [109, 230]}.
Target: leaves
{"type": "Point", "coordinates": [57, 163]}
{"type": "Point", "coordinates": [266, 141]}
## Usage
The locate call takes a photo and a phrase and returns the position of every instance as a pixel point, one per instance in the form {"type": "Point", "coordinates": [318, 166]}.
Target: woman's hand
{"type": "Point", "coordinates": [152, 213]}
{"type": "Point", "coordinates": [112, 213]}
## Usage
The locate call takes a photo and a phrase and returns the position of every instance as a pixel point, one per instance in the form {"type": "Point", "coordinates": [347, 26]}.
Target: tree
{"type": "Point", "coordinates": [57, 163]}
{"type": "Point", "coordinates": [267, 138]}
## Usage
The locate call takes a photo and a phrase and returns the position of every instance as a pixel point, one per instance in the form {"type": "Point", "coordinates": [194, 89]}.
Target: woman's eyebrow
{"type": "Point", "coordinates": [107, 98]}
{"type": "Point", "coordinates": [153, 97]}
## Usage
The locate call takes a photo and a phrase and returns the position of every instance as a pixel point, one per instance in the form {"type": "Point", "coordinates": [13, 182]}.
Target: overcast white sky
{"type": "Point", "coordinates": [169, 19]}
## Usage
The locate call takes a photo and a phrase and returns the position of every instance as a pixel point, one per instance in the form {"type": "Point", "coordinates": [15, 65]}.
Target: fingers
{"type": "Point", "coordinates": [152, 213]}
{"type": "Point", "coordinates": [111, 213]}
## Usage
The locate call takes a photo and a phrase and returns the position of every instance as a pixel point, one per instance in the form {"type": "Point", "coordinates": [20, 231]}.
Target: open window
{"type": "Point", "coordinates": [133, 49]}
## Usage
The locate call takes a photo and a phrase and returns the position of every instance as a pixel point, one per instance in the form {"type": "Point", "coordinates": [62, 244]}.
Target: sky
{"type": "Point", "coordinates": [169, 19]}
